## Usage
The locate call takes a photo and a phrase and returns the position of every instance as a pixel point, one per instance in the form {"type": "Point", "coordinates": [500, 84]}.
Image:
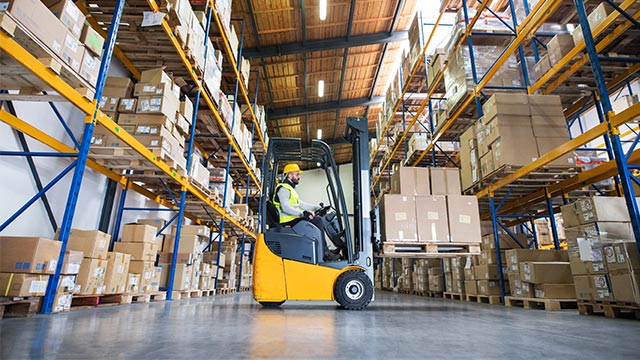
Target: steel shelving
{"type": "Point", "coordinates": [586, 59]}
{"type": "Point", "coordinates": [176, 184]}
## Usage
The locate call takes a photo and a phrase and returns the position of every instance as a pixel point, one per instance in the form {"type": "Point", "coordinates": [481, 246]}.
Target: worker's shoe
{"type": "Point", "coordinates": [330, 256]}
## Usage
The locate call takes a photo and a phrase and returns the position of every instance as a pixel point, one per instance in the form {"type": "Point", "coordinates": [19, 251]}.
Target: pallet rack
{"type": "Point", "coordinates": [532, 191]}
{"type": "Point", "coordinates": [176, 184]}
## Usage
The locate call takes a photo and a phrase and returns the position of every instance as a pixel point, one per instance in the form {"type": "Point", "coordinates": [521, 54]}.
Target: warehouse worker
{"type": "Point", "coordinates": [293, 210]}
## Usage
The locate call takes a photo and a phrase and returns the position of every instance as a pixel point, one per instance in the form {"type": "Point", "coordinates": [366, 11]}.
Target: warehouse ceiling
{"type": "Point", "coordinates": [354, 51]}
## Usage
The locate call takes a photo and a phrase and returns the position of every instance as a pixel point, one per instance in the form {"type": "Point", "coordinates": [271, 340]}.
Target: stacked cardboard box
{"type": "Point", "coordinates": [94, 245]}
{"type": "Point", "coordinates": [229, 248]}
{"type": "Point", "coordinates": [61, 27]}
{"type": "Point", "coordinates": [425, 205]}
{"type": "Point", "coordinates": [515, 130]}
{"type": "Point", "coordinates": [470, 173]}
{"type": "Point", "coordinates": [454, 273]}
{"type": "Point", "coordinates": [193, 240]}
{"type": "Point", "coordinates": [596, 17]}
{"type": "Point", "coordinates": [26, 263]}
{"type": "Point", "coordinates": [540, 274]}
{"type": "Point", "coordinates": [141, 243]}
{"type": "Point", "coordinates": [602, 250]}
{"type": "Point", "coordinates": [67, 281]}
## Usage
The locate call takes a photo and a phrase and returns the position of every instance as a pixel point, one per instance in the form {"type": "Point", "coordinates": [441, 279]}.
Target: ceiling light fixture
{"type": "Point", "coordinates": [320, 88]}
{"type": "Point", "coordinates": [319, 134]}
{"type": "Point", "coordinates": [323, 10]}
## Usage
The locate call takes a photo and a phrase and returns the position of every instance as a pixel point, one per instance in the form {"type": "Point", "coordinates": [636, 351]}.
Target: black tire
{"type": "Point", "coordinates": [353, 290]}
{"type": "Point", "coordinates": [271, 304]}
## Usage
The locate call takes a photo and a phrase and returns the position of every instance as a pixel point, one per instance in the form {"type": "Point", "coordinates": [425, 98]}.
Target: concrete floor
{"type": "Point", "coordinates": [393, 327]}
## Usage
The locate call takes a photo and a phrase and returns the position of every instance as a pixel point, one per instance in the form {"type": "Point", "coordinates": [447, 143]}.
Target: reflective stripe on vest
{"type": "Point", "coordinates": [294, 202]}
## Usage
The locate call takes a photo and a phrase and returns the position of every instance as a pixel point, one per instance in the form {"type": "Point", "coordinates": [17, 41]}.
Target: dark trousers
{"type": "Point", "coordinates": [317, 221]}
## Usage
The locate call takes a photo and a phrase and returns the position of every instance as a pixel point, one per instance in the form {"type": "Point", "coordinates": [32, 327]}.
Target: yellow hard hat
{"type": "Point", "coordinates": [291, 167]}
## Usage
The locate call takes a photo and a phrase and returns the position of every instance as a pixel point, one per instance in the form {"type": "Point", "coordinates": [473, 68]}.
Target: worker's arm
{"type": "Point", "coordinates": [283, 198]}
{"type": "Point", "coordinates": [309, 207]}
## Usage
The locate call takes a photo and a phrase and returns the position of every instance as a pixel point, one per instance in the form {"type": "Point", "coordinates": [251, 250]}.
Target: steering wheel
{"type": "Point", "coordinates": [323, 210]}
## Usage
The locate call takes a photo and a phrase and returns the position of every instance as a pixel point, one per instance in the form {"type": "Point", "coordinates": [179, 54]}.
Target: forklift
{"type": "Point", "coordinates": [288, 260]}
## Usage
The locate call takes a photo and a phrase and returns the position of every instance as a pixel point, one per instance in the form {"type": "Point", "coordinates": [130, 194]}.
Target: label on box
{"type": "Point", "coordinates": [150, 18]}
{"type": "Point", "coordinates": [38, 286]}
{"type": "Point", "coordinates": [143, 129]}
{"type": "Point", "coordinates": [52, 265]}
{"type": "Point", "coordinates": [619, 255]}
{"type": "Point", "coordinates": [148, 88]}
{"type": "Point", "coordinates": [73, 268]}
{"type": "Point", "coordinates": [433, 215]}
{"type": "Point", "coordinates": [71, 42]}
{"type": "Point", "coordinates": [120, 269]}
{"type": "Point", "coordinates": [401, 216]}
{"type": "Point", "coordinates": [97, 272]}
{"type": "Point", "coordinates": [401, 235]}
{"type": "Point", "coordinates": [56, 46]}
{"type": "Point", "coordinates": [128, 103]}
{"type": "Point", "coordinates": [464, 219]}
{"type": "Point", "coordinates": [101, 289]}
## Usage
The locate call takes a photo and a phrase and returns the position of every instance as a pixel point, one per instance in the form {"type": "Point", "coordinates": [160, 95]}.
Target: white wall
{"type": "Point", "coordinates": [17, 185]}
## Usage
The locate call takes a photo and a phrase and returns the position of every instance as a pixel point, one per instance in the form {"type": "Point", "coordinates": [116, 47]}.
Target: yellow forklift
{"type": "Point", "coordinates": [288, 260]}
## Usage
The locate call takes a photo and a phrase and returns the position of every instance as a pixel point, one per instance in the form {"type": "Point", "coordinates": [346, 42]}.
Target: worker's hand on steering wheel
{"type": "Point", "coordinates": [308, 215]}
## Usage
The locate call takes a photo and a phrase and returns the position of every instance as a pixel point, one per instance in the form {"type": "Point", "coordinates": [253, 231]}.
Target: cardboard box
{"type": "Point", "coordinates": [555, 291]}
{"type": "Point", "coordinates": [182, 277]}
{"type": "Point", "coordinates": [516, 256]}
{"type": "Point", "coordinates": [154, 284]}
{"type": "Point", "coordinates": [161, 104]}
{"type": "Point", "coordinates": [410, 181]}
{"type": "Point", "coordinates": [546, 144]}
{"type": "Point", "coordinates": [546, 272]}
{"type": "Point", "coordinates": [92, 40]}
{"type": "Point", "coordinates": [516, 146]}
{"type": "Point", "coordinates": [471, 287]}
{"type": "Point", "coordinates": [72, 51]}
{"type": "Point", "coordinates": [146, 270]}
{"type": "Point", "coordinates": [464, 218]}
{"type": "Point", "coordinates": [71, 262]}
{"type": "Point", "coordinates": [92, 243]}
{"type": "Point", "coordinates": [559, 46]}
{"type": "Point", "coordinates": [546, 106]}
{"type": "Point", "coordinates": [133, 281]}
{"type": "Point", "coordinates": [506, 104]}
{"type": "Point", "coordinates": [14, 284]}
{"type": "Point", "coordinates": [109, 104]}
{"type": "Point", "coordinates": [211, 257]}
{"type": "Point", "coordinates": [600, 208]}
{"type": "Point", "coordinates": [625, 286]}
{"type": "Point", "coordinates": [181, 258]}
{"type": "Point", "coordinates": [541, 67]}
{"type": "Point", "coordinates": [138, 251]}
{"type": "Point", "coordinates": [90, 280]}
{"type": "Point", "coordinates": [150, 121]}
{"type": "Point", "coordinates": [38, 19]}
{"type": "Point", "coordinates": [156, 89]}
{"type": "Point", "coordinates": [139, 233]}
{"type": "Point", "coordinates": [431, 217]}
{"type": "Point", "coordinates": [188, 244]}
{"type": "Point", "coordinates": [66, 283]}
{"type": "Point", "coordinates": [118, 87]}
{"type": "Point", "coordinates": [502, 126]}
{"type": "Point", "coordinates": [90, 68]}
{"type": "Point", "coordinates": [398, 214]}
{"type": "Point", "coordinates": [488, 287]}
{"type": "Point", "coordinates": [68, 13]}
{"type": "Point", "coordinates": [596, 17]}
{"type": "Point", "coordinates": [622, 257]}
{"type": "Point", "coordinates": [62, 302]}
{"type": "Point", "coordinates": [487, 165]}
{"type": "Point", "coordinates": [487, 272]}
{"type": "Point", "coordinates": [186, 109]}
{"type": "Point", "coordinates": [489, 257]}
{"type": "Point", "coordinates": [117, 273]}
{"type": "Point", "coordinates": [155, 76]}
{"type": "Point", "coordinates": [583, 287]}
{"type": "Point", "coordinates": [28, 254]}
{"type": "Point", "coordinates": [127, 105]}
{"type": "Point", "coordinates": [549, 126]}
{"type": "Point", "coordinates": [435, 283]}
{"type": "Point", "coordinates": [444, 181]}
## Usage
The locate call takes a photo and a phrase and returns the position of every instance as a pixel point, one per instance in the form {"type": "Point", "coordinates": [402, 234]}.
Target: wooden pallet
{"type": "Point", "coordinates": [225, 291]}
{"type": "Point", "coordinates": [616, 310]}
{"type": "Point", "coordinates": [426, 250]}
{"type": "Point", "coordinates": [206, 293]}
{"type": "Point", "coordinates": [245, 288]}
{"type": "Point", "coordinates": [81, 302]}
{"type": "Point", "coordinates": [200, 187]}
{"type": "Point", "coordinates": [484, 299]}
{"type": "Point", "coordinates": [17, 306]}
{"type": "Point", "coordinates": [185, 294]}
{"type": "Point", "coordinates": [544, 304]}
{"type": "Point", "coordinates": [453, 296]}
{"type": "Point", "coordinates": [432, 294]}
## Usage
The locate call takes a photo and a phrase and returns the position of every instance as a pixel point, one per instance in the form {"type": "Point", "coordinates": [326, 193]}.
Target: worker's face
{"type": "Point", "coordinates": [294, 177]}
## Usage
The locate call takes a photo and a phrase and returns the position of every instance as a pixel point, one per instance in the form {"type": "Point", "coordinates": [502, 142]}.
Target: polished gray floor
{"type": "Point", "coordinates": [395, 326]}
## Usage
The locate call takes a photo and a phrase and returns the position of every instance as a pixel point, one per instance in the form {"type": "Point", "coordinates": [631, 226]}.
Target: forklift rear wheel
{"type": "Point", "coordinates": [353, 290]}
{"type": "Point", "coordinates": [271, 304]}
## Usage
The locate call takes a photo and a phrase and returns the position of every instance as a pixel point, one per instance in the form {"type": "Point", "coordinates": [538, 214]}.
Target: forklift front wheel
{"type": "Point", "coordinates": [353, 290]}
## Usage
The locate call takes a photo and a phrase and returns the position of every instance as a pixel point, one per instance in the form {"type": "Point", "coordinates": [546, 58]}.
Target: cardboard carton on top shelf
{"type": "Point", "coordinates": [68, 13]}
{"type": "Point", "coordinates": [596, 17]}
{"type": "Point", "coordinates": [92, 40]}
{"type": "Point", "coordinates": [118, 87]}
{"type": "Point", "coordinates": [541, 67]}
{"type": "Point", "coordinates": [72, 51]}
{"type": "Point", "coordinates": [559, 46]}
{"type": "Point", "coordinates": [546, 144]}
{"type": "Point", "coordinates": [506, 104]}
{"type": "Point", "coordinates": [90, 67]}
{"type": "Point", "coordinates": [155, 76]}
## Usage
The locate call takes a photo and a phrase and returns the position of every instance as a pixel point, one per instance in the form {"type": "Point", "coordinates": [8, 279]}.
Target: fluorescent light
{"type": "Point", "coordinates": [320, 88]}
{"type": "Point", "coordinates": [319, 134]}
{"type": "Point", "coordinates": [323, 10]}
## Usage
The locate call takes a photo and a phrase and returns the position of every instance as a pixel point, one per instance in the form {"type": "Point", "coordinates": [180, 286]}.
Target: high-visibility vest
{"type": "Point", "coordinates": [294, 201]}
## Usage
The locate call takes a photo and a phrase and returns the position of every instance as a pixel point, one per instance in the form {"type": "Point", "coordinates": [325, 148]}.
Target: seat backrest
{"type": "Point", "coordinates": [273, 215]}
